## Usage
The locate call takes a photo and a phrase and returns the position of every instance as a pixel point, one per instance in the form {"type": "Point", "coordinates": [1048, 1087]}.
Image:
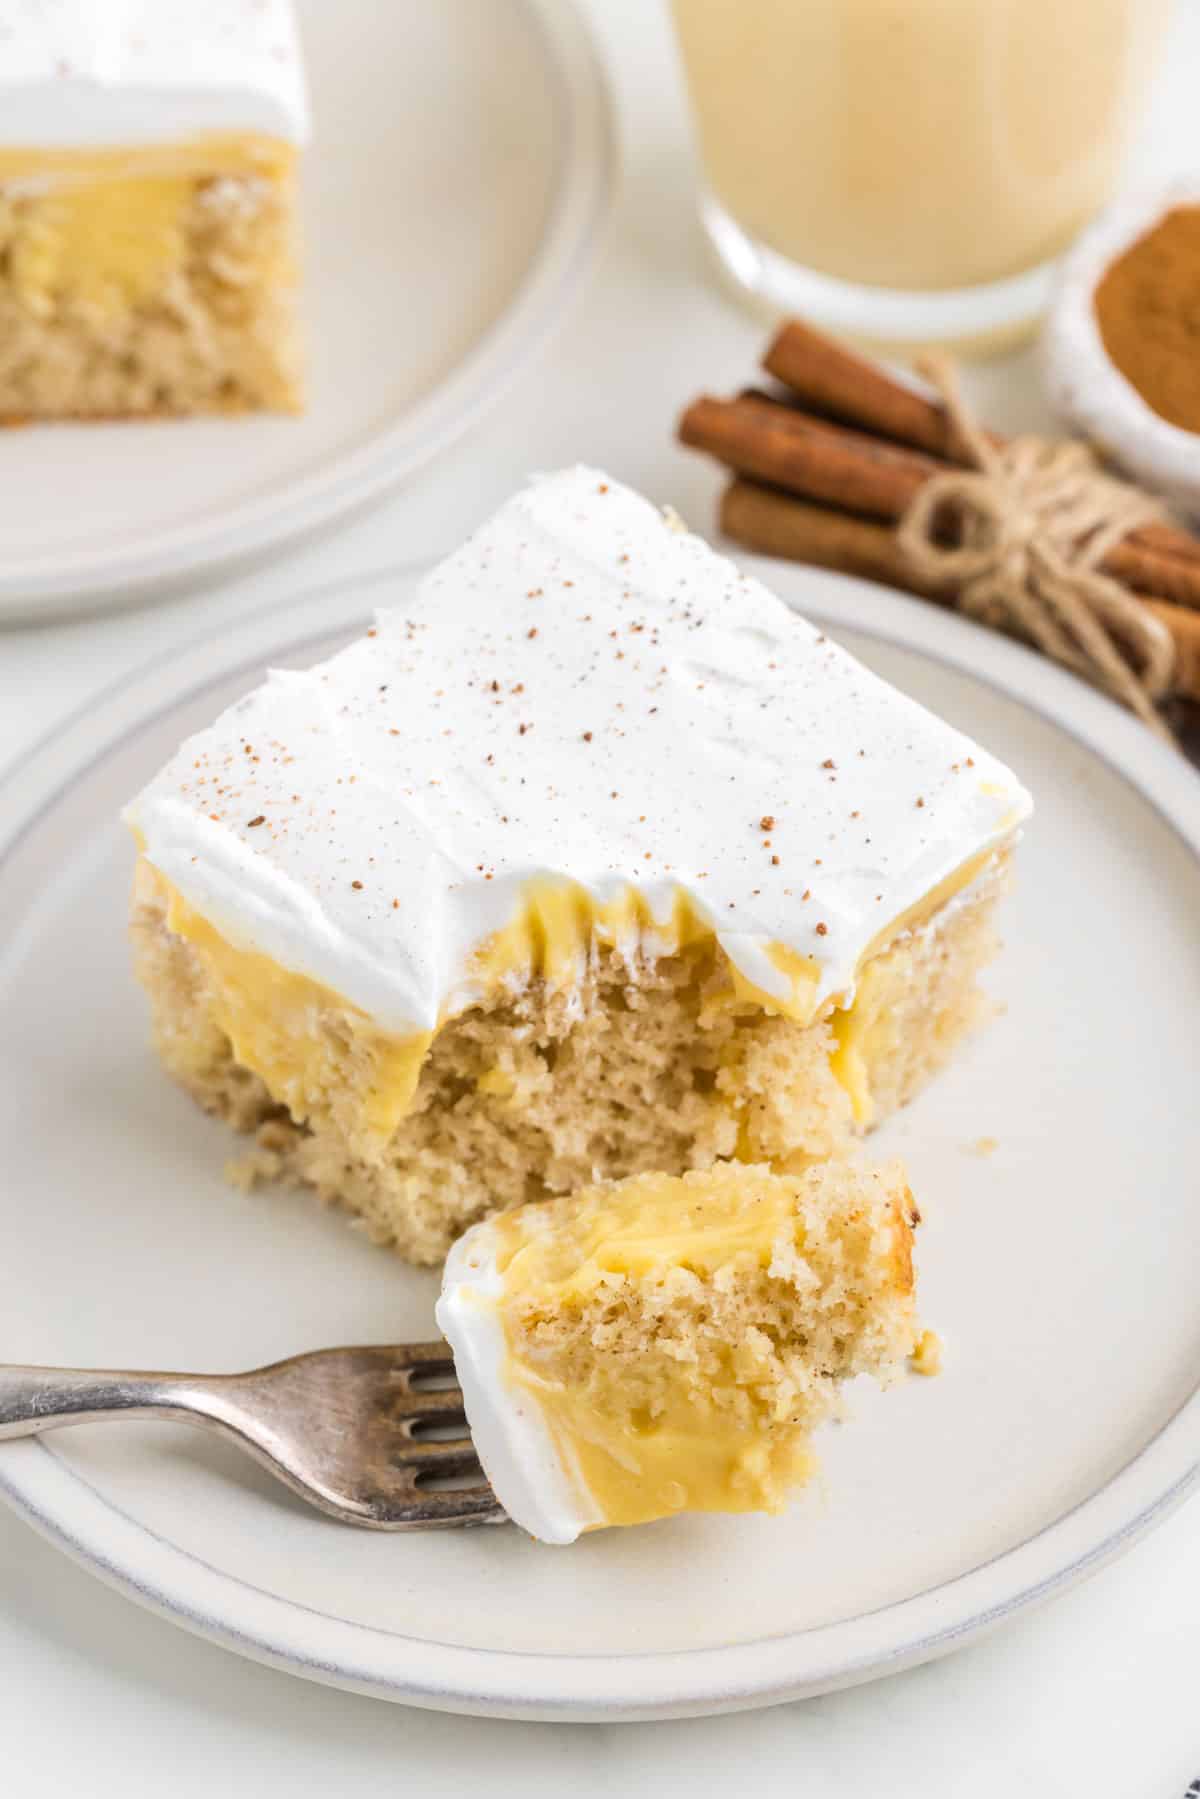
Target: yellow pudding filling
{"type": "Point", "coordinates": [681, 1336]}
{"type": "Point", "coordinates": [279, 1023]}
{"type": "Point", "coordinates": [559, 923]}
{"type": "Point", "coordinates": [869, 1032]}
{"type": "Point", "coordinates": [155, 280]}
{"type": "Point", "coordinates": [288, 1028]}
{"type": "Point", "coordinates": [301, 1039]}
{"type": "Point", "coordinates": [35, 168]}
{"type": "Point", "coordinates": [108, 227]}
{"type": "Point", "coordinates": [638, 1060]}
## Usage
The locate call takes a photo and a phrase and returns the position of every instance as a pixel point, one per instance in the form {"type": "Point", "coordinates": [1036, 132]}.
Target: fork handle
{"type": "Point", "coordinates": [36, 1399]}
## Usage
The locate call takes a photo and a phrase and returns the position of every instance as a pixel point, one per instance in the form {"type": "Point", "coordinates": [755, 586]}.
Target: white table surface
{"type": "Point", "coordinates": [1098, 1695]}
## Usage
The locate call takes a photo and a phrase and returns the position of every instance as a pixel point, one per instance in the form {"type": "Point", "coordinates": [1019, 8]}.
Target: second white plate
{"type": "Point", "coordinates": [461, 167]}
{"type": "Point", "coordinates": [1060, 1267]}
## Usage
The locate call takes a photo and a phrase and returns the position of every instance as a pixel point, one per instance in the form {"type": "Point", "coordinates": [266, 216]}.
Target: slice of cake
{"type": "Point", "coordinates": [592, 858]}
{"type": "Point", "coordinates": [669, 1343]}
{"type": "Point", "coordinates": [148, 207]}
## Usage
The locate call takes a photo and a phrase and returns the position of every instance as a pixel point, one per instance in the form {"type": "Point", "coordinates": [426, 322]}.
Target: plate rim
{"type": "Point", "coordinates": [46, 585]}
{"type": "Point", "coordinates": [191, 1592]}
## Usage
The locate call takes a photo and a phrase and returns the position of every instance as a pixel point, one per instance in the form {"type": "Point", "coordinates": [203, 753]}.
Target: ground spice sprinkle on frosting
{"type": "Point", "coordinates": [740, 718]}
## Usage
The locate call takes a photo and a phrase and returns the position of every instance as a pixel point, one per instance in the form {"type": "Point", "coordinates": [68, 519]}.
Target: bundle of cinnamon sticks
{"type": "Point", "coordinates": [826, 466]}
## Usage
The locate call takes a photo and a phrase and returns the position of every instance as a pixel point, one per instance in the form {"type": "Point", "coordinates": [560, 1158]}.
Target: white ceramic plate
{"type": "Point", "coordinates": [462, 162]}
{"type": "Point", "coordinates": [1061, 1267]}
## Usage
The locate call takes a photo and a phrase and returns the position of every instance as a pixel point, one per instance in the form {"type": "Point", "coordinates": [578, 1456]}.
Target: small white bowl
{"type": "Point", "coordinates": [1084, 385]}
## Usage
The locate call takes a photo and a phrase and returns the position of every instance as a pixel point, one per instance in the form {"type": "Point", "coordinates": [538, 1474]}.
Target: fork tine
{"type": "Point", "coordinates": [469, 1489]}
{"type": "Point", "coordinates": [379, 1447]}
{"type": "Point", "coordinates": [440, 1402]}
{"type": "Point", "coordinates": [425, 1358]}
{"type": "Point", "coordinates": [467, 1505]}
{"type": "Point", "coordinates": [425, 1455]}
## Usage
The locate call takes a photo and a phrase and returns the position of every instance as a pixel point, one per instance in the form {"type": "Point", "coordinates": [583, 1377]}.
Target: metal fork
{"type": "Point", "coordinates": [350, 1430]}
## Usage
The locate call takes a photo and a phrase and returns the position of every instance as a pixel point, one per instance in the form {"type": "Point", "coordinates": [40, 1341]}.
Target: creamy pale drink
{"type": "Point", "coordinates": [914, 144]}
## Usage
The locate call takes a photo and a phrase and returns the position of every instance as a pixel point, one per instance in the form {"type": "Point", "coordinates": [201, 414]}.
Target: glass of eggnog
{"type": "Point", "coordinates": [908, 170]}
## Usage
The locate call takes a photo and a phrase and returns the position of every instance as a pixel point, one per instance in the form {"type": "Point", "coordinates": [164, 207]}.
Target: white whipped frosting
{"type": "Point", "coordinates": [90, 73]}
{"type": "Point", "coordinates": [514, 1444]}
{"type": "Point", "coordinates": [580, 692]}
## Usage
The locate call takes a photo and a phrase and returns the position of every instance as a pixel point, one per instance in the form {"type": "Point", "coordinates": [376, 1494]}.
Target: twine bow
{"type": "Point", "coordinates": [1029, 523]}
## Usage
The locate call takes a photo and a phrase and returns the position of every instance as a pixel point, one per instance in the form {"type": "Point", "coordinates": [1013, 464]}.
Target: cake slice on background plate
{"type": "Point", "coordinates": [148, 227]}
{"type": "Point", "coordinates": [669, 1344]}
{"type": "Point", "coordinates": [590, 859]}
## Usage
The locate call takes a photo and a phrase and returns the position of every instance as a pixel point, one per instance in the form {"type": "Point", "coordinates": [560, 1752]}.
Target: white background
{"type": "Point", "coordinates": [1098, 1696]}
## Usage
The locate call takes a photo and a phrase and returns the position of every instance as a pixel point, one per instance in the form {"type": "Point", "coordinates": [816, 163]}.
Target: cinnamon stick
{"type": "Point", "coordinates": [828, 375]}
{"type": "Point", "coordinates": [778, 524]}
{"type": "Point", "coordinates": [1140, 566]}
{"type": "Point", "coordinates": [1184, 626]}
{"type": "Point", "coordinates": [753, 435]}
{"type": "Point", "coordinates": [780, 444]}
{"type": "Point", "coordinates": [836, 380]}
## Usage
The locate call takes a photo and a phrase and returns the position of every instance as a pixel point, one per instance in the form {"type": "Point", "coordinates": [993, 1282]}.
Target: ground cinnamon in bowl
{"type": "Point", "coordinates": [1148, 311]}
{"type": "Point", "coordinates": [1120, 352]}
